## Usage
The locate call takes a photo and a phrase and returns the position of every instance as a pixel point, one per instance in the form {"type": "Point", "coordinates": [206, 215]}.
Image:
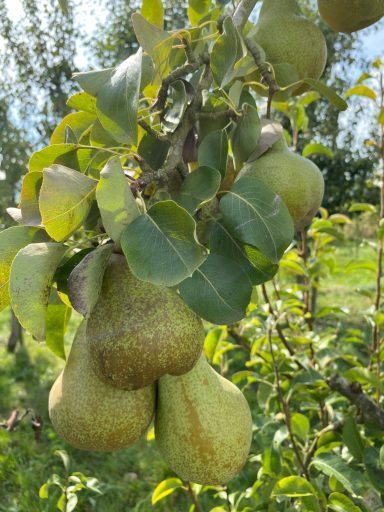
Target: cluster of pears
{"type": "Point", "coordinates": [139, 356]}
{"type": "Point", "coordinates": [351, 15]}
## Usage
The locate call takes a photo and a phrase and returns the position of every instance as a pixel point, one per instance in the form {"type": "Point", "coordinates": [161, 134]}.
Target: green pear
{"type": "Point", "coordinates": [91, 415]}
{"type": "Point", "coordinates": [351, 15]}
{"type": "Point", "coordinates": [203, 425]}
{"type": "Point", "coordinates": [138, 332]}
{"type": "Point", "coordinates": [297, 180]}
{"type": "Point", "coordinates": [291, 42]}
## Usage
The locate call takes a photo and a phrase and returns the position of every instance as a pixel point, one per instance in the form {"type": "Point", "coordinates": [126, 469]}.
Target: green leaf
{"type": "Point", "coordinates": [362, 207]}
{"type": "Point", "coordinates": [198, 187]}
{"type": "Point", "coordinates": [153, 150]}
{"type": "Point", "coordinates": [30, 283]}
{"type": "Point", "coordinates": [317, 149]}
{"type": "Point", "coordinates": [117, 100]}
{"type": "Point", "coordinates": [154, 41]}
{"type": "Point", "coordinates": [341, 503]}
{"type": "Point", "coordinates": [161, 246]}
{"type": "Point", "coordinates": [197, 10]}
{"type": "Point", "coordinates": [300, 426]}
{"type": "Point", "coordinates": [58, 315]}
{"type": "Point", "coordinates": [224, 54]}
{"type": "Point", "coordinates": [93, 81]}
{"type": "Point", "coordinates": [257, 216]}
{"type": "Point", "coordinates": [65, 200]}
{"type": "Point", "coordinates": [165, 488]}
{"type": "Point", "coordinates": [79, 122]}
{"type": "Point", "coordinates": [153, 11]}
{"type": "Point", "coordinates": [115, 200]}
{"type": "Point", "coordinates": [213, 151]}
{"type": "Point", "coordinates": [381, 117]}
{"type": "Point", "coordinates": [334, 466]}
{"type": "Point", "coordinates": [218, 291]}
{"type": "Point", "coordinates": [43, 492]}
{"type": "Point", "coordinates": [361, 90]}
{"type": "Point", "coordinates": [82, 101]}
{"type": "Point", "coordinates": [29, 198]}
{"type": "Point", "coordinates": [352, 438]}
{"type": "Point", "coordinates": [363, 376]}
{"type": "Point", "coordinates": [177, 96]}
{"type": "Point", "coordinates": [64, 7]}
{"type": "Point", "coordinates": [253, 263]}
{"type": "Point", "coordinates": [246, 136]}
{"type": "Point", "coordinates": [48, 156]}
{"type": "Point", "coordinates": [328, 93]}
{"type": "Point", "coordinates": [11, 241]}
{"type": "Point", "coordinates": [100, 137]}
{"type": "Point", "coordinates": [372, 465]}
{"type": "Point", "coordinates": [293, 487]}
{"type": "Point", "coordinates": [85, 280]}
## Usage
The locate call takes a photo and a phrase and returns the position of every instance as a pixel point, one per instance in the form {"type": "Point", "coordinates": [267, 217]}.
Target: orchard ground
{"type": "Point", "coordinates": [128, 477]}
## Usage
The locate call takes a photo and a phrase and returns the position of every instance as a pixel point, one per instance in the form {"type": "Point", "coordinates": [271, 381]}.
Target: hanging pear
{"type": "Point", "coordinates": [138, 332]}
{"type": "Point", "coordinates": [297, 180]}
{"type": "Point", "coordinates": [351, 15]}
{"type": "Point", "coordinates": [294, 45]}
{"type": "Point", "coordinates": [91, 415]}
{"type": "Point", "coordinates": [203, 425]}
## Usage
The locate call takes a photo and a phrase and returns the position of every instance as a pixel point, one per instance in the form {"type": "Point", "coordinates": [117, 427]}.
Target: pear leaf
{"type": "Point", "coordinates": [361, 90]}
{"type": "Point", "coordinates": [179, 102]}
{"type": "Point", "coordinates": [65, 200]}
{"type": "Point", "coordinates": [11, 241]}
{"type": "Point", "coordinates": [29, 198]}
{"type": "Point", "coordinates": [213, 151]}
{"type": "Point", "coordinates": [317, 149]}
{"type": "Point", "coordinates": [115, 200]}
{"type": "Point", "coordinates": [153, 11]}
{"type": "Point", "coordinates": [30, 284]}
{"type": "Point", "coordinates": [246, 136]}
{"type": "Point", "coordinates": [79, 122]}
{"type": "Point", "coordinates": [117, 100]}
{"type": "Point", "coordinates": [257, 216]}
{"type": "Point", "coordinates": [93, 81]}
{"type": "Point", "coordinates": [58, 315]}
{"type": "Point", "coordinates": [218, 291]}
{"type": "Point", "coordinates": [341, 503]}
{"type": "Point", "coordinates": [165, 488]}
{"type": "Point", "coordinates": [197, 10]}
{"type": "Point", "coordinates": [224, 54]}
{"type": "Point", "coordinates": [47, 156]}
{"type": "Point", "coordinates": [271, 132]}
{"type": "Point", "coordinates": [198, 187]}
{"type": "Point", "coordinates": [85, 280]}
{"type": "Point", "coordinates": [82, 101]}
{"type": "Point", "coordinates": [161, 246]}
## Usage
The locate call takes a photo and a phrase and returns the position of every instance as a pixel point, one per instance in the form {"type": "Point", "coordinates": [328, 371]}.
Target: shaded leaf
{"type": "Point", "coordinates": [300, 426]}
{"type": "Point", "coordinates": [198, 187]}
{"type": "Point", "coordinates": [224, 54]}
{"type": "Point", "coordinates": [85, 280]}
{"type": "Point", "coordinates": [218, 291]}
{"type": "Point", "coordinates": [115, 200]}
{"type": "Point", "coordinates": [93, 81]}
{"type": "Point", "coordinates": [257, 216]}
{"type": "Point", "coordinates": [161, 246]}
{"type": "Point", "coordinates": [246, 136]}
{"type": "Point", "coordinates": [352, 438]}
{"type": "Point", "coordinates": [58, 315]}
{"type": "Point", "coordinates": [271, 132]}
{"type": "Point", "coordinates": [48, 156]}
{"type": "Point", "coordinates": [334, 466]}
{"type": "Point", "coordinates": [177, 97]}
{"type": "Point", "coordinates": [328, 93]}
{"type": "Point", "coordinates": [341, 503]}
{"type": "Point", "coordinates": [30, 283]}
{"type": "Point", "coordinates": [29, 198]}
{"type": "Point", "coordinates": [372, 465]}
{"type": "Point", "coordinates": [117, 100]}
{"type": "Point", "coordinates": [79, 122]}
{"type": "Point", "coordinates": [65, 200]}
{"type": "Point", "coordinates": [213, 151]}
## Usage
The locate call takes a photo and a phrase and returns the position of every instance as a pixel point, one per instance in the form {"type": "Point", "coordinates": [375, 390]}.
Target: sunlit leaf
{"type": "Point", "coordinates": [198, 9]}
{"type": "Point", "coordinates": [165, 488]}
{"type": "Point", "coordinates": [153, 11]}
{"type": "Point", "coordinates": [29, 198]}
{"type": "Point", "coordinates": [79, 122]}
{"type": "Point", "coordinates": [317, 149]}
{"type": "Point", "coordinates": [82, 101]}
{"type": "Point", "coordinates": [48, 156]}
{"type": "Point", "coordinates": [361, 90]}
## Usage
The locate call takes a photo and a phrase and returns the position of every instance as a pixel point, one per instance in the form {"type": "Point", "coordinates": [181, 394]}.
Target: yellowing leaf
{"type": "Point", "coordinates": [165, 488]}
{"type": "Point", "coordinates": [361, 90]}
{"type": "Point", "coordinates": [65, 199]}
{"type": "Point", "coordinates": [153, 11]}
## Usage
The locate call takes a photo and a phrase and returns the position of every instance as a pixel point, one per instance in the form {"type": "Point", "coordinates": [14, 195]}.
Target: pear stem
{"type": "Point", "coordinates": [242, 12]}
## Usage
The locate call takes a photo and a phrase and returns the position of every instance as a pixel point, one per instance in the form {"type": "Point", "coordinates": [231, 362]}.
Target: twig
{"type": "Point", "coordinates": [242, 13]}
{"type": "Point", "coordinates": [194, 498]}
{"type": "Point", "coordinates": [263, 67]}
{"type": "Point", "coordinates": [329, 428]}
{"type": "Point", "coordinates": [287, 412]}
{"type": "Point", "coordinates": [370, 411]}
{"type": "Point", "coordinates": [158, 135]}
{"type": "Point", "coordinates": [226, 114]}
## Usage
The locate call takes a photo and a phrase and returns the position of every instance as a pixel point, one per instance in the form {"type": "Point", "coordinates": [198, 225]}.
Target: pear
{"type": "Point", "coordinates": [294, 45]}
{"type": "Point", "coordinates": [91, 415]}
{"type": "Point", "coordinates": [351, 15]}
{"type": "Point", "coordinates": [138, 332]}
{"type": "Point", "coordinates": [297, 180]}
{"type": "Point", "coordinates": [203, 425]}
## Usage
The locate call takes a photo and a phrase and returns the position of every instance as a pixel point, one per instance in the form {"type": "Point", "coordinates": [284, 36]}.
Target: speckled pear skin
{"type": "Point", "coordinates": [138, 332]}
{"type": "Point", "coordinates": [91, 415]}
{"type": "Point", "coordinates": [351, 15]}
{"type": "Point", "coordinates": [203, 425]}
{"type": "Point", "coordinates": [297, 180]}
{"type": "Point", "coordinates": [287, 36]}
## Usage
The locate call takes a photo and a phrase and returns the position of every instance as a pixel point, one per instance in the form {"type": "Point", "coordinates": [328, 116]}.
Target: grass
{"type": "Point", "coordinates": [128, 476]}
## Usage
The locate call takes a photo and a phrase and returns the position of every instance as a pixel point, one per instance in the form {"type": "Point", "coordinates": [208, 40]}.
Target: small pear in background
{"type": "Point", "coordinates": [297, 180]}
{"type": "Point", "coordinates": [351, 15]}
{"type": "Point", "coordinates": [138, 332]}
{"type": "Point", "coordinates": [294, 45]}
{"type": "Point", "coordinates": [91, 415]}
{"type": "Point", "coordinates": [203, 425]}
